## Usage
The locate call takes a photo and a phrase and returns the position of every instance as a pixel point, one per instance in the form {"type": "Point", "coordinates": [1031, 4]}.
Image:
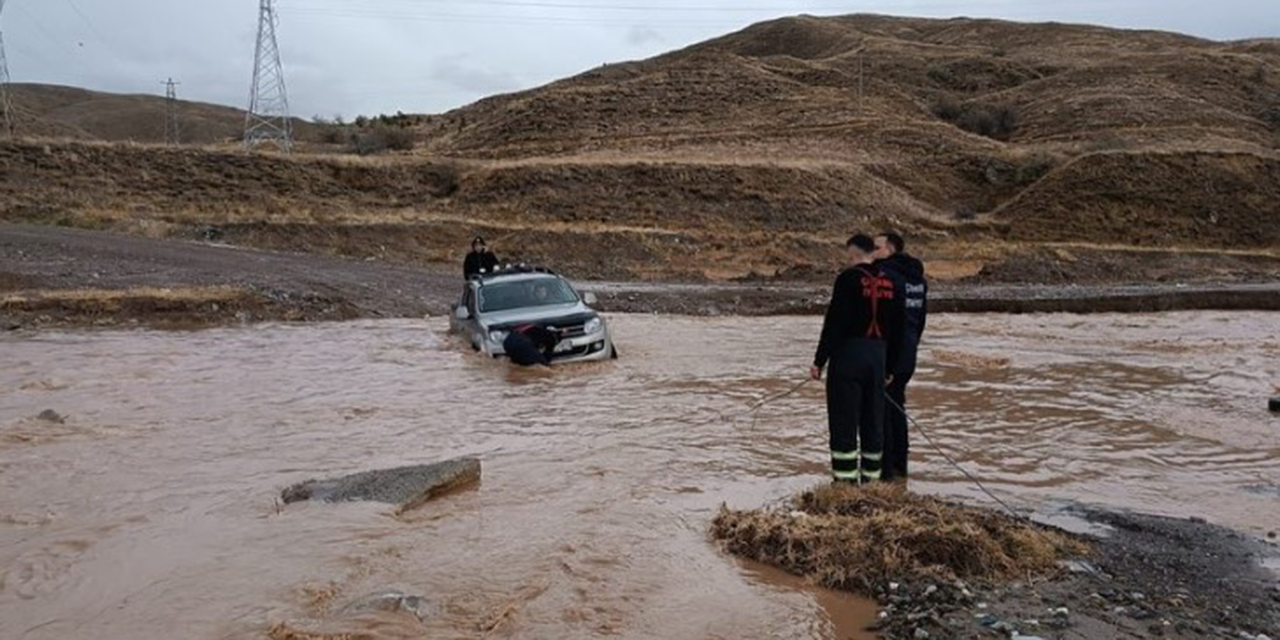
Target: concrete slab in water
{"type": "Point", "coordinates": [405, 487]}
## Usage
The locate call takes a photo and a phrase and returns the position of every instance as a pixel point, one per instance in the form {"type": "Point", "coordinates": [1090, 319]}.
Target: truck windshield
{"type": "Point", "coordinates": [535, 292]}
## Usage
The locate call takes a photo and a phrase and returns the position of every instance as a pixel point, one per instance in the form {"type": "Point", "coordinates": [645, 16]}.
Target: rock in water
{"type": "Point", "coordinates": [49, 415]}
{"type": "Point", "coordinates": [405, 487]}
{"type": "Point", "coordinates": [392, 602]}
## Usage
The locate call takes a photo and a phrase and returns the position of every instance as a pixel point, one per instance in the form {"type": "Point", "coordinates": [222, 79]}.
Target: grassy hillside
{"type": "Point", "coordinates": [69, 112]}
{"type": "Point", "coordinates": [754, 153]}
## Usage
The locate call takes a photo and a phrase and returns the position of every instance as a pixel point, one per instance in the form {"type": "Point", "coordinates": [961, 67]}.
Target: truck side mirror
{"type": "Point", "coordinates": [590, 298]}
{"type": "Point", "coordinates": [461, 313]}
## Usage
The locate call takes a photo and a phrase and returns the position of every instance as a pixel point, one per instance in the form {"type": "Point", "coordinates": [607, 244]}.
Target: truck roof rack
{"type": "Point", "coordinates": [511, 270]}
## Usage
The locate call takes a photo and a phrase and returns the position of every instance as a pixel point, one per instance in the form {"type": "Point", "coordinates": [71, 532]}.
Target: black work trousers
{"type": "Point", "coordinates": [855, 410]}
{"type": "Point", "coordinates": [897, 445]}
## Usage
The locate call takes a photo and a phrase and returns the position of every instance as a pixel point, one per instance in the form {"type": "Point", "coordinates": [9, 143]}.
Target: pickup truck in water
{"type": "Point", "coordinates": [493, 304]}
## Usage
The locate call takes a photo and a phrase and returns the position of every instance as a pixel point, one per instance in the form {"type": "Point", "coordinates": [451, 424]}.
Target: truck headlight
{"type": "Point", "coordinates": [593, 325]}
{"type": "Point", "coordinates": [498, 336]}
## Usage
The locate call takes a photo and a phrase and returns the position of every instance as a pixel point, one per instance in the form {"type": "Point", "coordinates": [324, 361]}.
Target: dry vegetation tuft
{"type": "Point", "coordinates": [284, 631]}
{"type": "Point", "coordinates": [861, 538]}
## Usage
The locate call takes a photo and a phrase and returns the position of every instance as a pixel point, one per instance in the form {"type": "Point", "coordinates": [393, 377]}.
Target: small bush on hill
{"type": "Point", "coordinates": [379, 138]}
{"type": "Point", "coordinates": [333, 134]}
{"type": "Point", "coordinates": [1272, 117]}
{"type": "Point", "coordinates": [998, 122]}
{"type": "Point", "coordinates": [942, 75]}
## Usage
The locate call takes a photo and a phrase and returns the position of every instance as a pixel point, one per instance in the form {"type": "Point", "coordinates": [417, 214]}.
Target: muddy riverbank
{"type": "Point", "coordinates": [1147, 577]}
{"type": "Point", "coordinates": [149, 503]}
{"type": "Point", "coordinates": [151, 283]}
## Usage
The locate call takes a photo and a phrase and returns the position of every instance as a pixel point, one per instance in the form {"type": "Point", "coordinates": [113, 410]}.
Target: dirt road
{"type": "Point", "coordinates": [33, 257]}
{"type": "Point", "coordinates": [295, 286]}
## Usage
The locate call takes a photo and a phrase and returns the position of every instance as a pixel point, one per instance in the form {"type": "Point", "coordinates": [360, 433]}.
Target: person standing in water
{"type": "Point", "coordinates": [861, 340]}
{"type": "Point", "coordinates": [892, 257]}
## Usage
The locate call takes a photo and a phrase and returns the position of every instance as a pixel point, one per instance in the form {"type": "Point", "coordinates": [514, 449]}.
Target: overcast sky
{"type": "Point", "coordinates": [377, 56]}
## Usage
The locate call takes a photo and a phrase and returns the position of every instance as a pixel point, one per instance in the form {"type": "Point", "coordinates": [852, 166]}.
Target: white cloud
{"type": "Point", "coordinates": [379, 56]}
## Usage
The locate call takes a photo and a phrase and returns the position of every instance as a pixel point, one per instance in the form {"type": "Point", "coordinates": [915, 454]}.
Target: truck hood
{"type": "Point", "coordinates": [564, 313]}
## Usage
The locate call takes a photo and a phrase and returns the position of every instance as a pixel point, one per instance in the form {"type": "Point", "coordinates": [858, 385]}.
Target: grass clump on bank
{"type": "Point", "coordinates": [860, 539]}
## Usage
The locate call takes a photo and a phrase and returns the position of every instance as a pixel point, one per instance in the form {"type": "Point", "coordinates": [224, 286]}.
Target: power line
{"type": "Point", "coordinates": [647, 8]}
{"type": "Point", "coordinates": [268, 117]}
{"type": "Point", "coordinates": [465, 18]}
{"type": "Point", "coordinates": [96, 33]}
{"type": "Point", "coordinates": [789, 9]}
{"type": "Point", "coordinates": [40, 26]}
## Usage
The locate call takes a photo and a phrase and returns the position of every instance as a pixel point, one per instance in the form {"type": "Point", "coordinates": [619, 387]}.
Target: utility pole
{"type": "Point", "coordinates": [862, 75]}
{"type": "Point", "coordinates": [268, 116]}
{"type": "Point", "coordinates": [171, 136]}
{"type": "Point", "coordinates": [6, 104]}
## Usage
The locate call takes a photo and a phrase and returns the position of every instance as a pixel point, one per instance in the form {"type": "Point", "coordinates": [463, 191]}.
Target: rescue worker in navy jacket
{"type": "Point", "coordinates": [530, 345]}
{"type": "Point", "coordinates": [909, 272]}
{"type": "Point", "coordinates": [862, 340]}
{"type": "Point", "coordinates": [480, 260]}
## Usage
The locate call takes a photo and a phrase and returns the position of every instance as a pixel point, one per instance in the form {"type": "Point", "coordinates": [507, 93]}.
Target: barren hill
{"type": "Point", "coordinates": [1058, 149]}
{"type": "Point", "coordinates": [69, 112]}
{"type": "Point", "coordinates": [1059, 131]}
{"type": "Point", "coordinates": [833, 81]}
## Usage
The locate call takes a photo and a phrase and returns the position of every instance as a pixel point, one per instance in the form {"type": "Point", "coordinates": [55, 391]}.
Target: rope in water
{"type": "Point", "coordinates": [952, 461]}
{"type": "Point", "coordinates": [762, 403]}
{"type": "Point", "coordinates": [1090, 570]}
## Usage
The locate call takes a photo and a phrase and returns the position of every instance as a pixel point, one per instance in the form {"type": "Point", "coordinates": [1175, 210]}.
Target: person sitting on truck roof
{"type": "Point", "coordinates": [480, 260]}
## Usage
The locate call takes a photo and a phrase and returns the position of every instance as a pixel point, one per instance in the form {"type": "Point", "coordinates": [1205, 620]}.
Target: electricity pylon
{"type": "Point", "coordinates": [6, 120]}
{"type": "Point", "coordinates": [171, 136]}
{"type": "Point", "coordinates": [268, 117]}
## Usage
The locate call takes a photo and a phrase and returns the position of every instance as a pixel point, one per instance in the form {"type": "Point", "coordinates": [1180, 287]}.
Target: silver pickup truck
{"type": "Point", "coordinates": [493, 304]}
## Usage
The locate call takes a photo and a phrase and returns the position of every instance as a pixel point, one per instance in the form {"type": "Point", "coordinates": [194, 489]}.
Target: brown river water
{"type": "Point", "coordinates": [150, 513]}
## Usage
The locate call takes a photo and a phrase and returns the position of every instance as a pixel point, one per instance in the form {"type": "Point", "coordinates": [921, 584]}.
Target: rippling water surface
{"type": "Point", "coordinates": [150, 512]}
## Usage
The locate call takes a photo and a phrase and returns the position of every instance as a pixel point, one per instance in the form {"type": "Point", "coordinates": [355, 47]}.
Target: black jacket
{"type": "Point", "coordinates": [909, 271]}
{"type": "Point", "coordinates": [530, 345]}
{"type": "Point", "coordinates": [866, 302]}
{"type": "Point", "coordinates": [477, 261]}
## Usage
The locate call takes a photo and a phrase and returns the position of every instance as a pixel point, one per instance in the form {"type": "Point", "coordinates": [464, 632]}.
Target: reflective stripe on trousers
{"type": "Point", "coordinates": [844, 465]}
{"type": "Point", "coordinates": [853, 466]}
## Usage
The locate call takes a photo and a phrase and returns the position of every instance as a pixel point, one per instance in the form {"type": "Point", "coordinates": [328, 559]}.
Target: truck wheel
{"type": "Point", "coordinates": [1275, 404]}
{"type": "Point", "coordinates": [613, 354]}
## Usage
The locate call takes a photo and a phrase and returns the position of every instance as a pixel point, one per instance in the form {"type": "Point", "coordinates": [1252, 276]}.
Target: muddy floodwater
{"type": "Point", "coordinates": [149, 511]}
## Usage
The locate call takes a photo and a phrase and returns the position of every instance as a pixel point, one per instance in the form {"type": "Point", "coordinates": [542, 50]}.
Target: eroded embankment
{"type": "Point", "coordinates": [180, 307]}
{"type": "Point", "coordinates": [649, 218]}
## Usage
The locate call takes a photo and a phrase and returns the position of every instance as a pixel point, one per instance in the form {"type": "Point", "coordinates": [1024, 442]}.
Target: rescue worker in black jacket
{"type": "Point", "coordinates": [909, 272]}
{"type": "Point", "coordinates": [479, 260]}
{"type": "Point", "coordinates": [862, 340]}
{"type": "Point", "coordinates": [530, 345]}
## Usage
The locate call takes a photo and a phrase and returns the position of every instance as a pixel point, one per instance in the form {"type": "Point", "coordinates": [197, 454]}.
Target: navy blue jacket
{"type": "Point", "coordinates": [909, 273]}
